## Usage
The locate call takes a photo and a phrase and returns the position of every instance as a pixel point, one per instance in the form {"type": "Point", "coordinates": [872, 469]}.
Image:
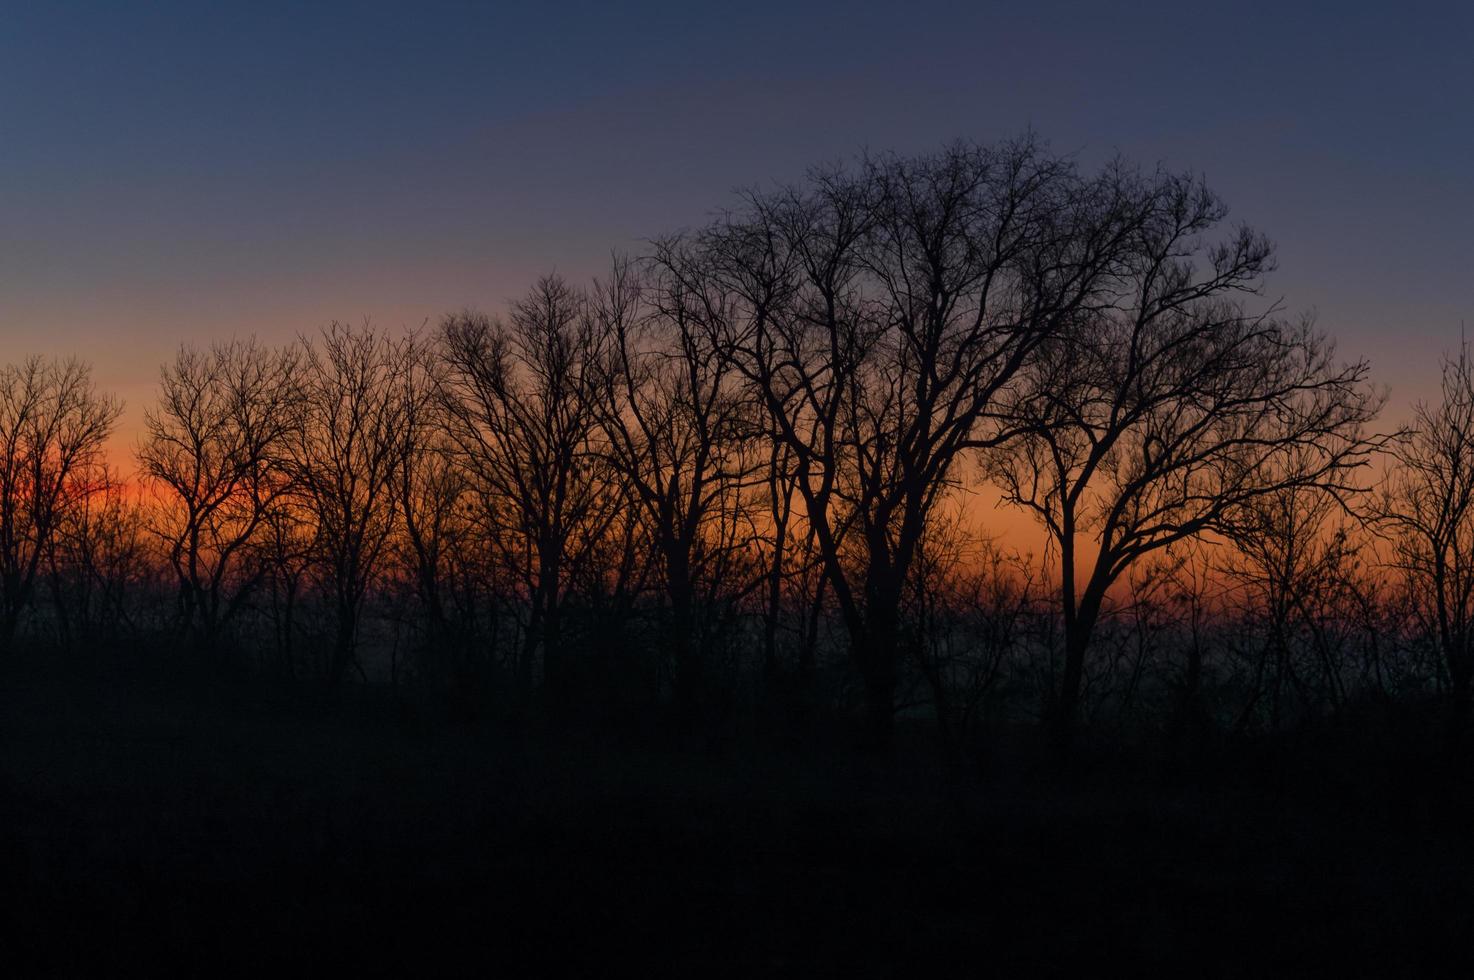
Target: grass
{"type": "Point", "coordinates": [162, 820]}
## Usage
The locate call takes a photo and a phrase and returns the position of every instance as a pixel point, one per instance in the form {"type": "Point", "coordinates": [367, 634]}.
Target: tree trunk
{"type": "Point", "coordinates": [548, 577]}
{"type": "Point", "coordinates": [1065, 712]}
{"type": "Point", "coordinates": [529, 643]}
{"type": "Point", "coordinates": [288, 628]}
{"type": "Point", "coordinates": [343, 646]}
{"type": "Point", "coordinates": [1461, 686]}
{"type": "Point", "coordinates": [9, 626]}
{"type": "Point", "coordinates": [684, 646]}
{"type": "Point", "coordinates": [875, 652]}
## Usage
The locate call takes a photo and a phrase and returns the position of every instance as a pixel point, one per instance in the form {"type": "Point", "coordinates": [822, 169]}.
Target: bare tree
{"type": "Point", "coordinates": [1195, 596]}
{"type": "Point", "coordinates": [679, 435]}
{"type": "Point", "coordinates": [1167, 407]}
{"type": "Point", "coordinates": [98, 565]}
{"type": "Point", "coordinates": [969, 607]}
{"type": "Point", "coordinates": [519, 400]}
{"type": "Point", "coordinates": [348, 449]}
{"type": "Point", "coordinates": [54, 426]}
{"type": "Point", "coordinates": [1296, 568]}
{"type": "Point", "coordinates": [214, 448]}
{"type": "Point", "coordinates": [431, 490]}
{"type": "Point", "coordinates": [877, 316]}
{"type": "Point", "coordinates": [284, 549]}
{"type": "Point", "coordinates": [1427, 508]}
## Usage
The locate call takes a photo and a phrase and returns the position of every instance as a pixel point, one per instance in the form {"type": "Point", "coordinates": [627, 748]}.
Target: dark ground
{"type": "Point", "coordinates": [154, 824]}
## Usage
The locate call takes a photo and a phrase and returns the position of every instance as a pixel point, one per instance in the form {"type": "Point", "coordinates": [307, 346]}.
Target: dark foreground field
{"type": "Point", "coordinates": [150, 824]}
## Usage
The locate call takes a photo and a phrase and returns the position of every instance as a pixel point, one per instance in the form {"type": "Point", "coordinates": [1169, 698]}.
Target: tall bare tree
{"type": "Point", "coordinates": [1427, 507]}
{"type": "Point", "coordinates": [99, 565]}
{"type": "Point", "coordinates": [1295, 565]}
{"type": "Point", "coordinates": [679, 435]}
{"type": "Point", "coordinates": [215, 449]}
{"type": "Point", "coordinates": [433, 494]}
{"type": "Point", "coordinates": [54, 427]}
{"type": "Point", "coordinates": [285, 548]}
{"type": "Point", "coordinates": [1167, 407]}
{"type": "Point", "coordinates": [520, 401]}
{"type": "Point", "coordinates": [877, 317]}
{"type": "Point", "coordinates": [347, 451]}
{"type": "Point", "coordinates": [970, 607]}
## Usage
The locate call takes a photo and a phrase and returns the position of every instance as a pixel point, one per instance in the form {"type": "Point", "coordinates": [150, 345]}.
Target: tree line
{"type": "Point", "coordinates": [739, 474]}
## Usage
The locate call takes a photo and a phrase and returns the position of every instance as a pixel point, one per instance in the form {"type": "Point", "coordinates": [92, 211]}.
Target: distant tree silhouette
{"type": "Point", "coordinates": [54, 425]}
{"type": "Point", "coordinates": [286, 547]}
{"type": "Point", "coordinates": [432, 491]}
{"type": "Point", "coordinates": [349, 447]}
{"type": "Point", "coordinates": [1427, 507]}
{"type": "Point", "coordinates": [520, 402]}
{"type": "Point", "coordinates": [100, 567]}
{"type": "Point", "coordinates": [1295, 566]}
{"type": "Point", "coordinates": [971, 609]}
{"type": "Point", "coordinates": [680, 436]}
{"type": "Point", "coordinates": [215, 449]}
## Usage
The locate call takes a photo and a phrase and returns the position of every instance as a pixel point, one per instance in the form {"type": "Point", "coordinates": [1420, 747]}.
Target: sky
{"type": "Point", "coordinates": [188, 172]}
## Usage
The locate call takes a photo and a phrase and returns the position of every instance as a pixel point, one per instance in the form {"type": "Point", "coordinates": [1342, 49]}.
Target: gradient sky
{"type": "Point", "coordinates": [175, 172]}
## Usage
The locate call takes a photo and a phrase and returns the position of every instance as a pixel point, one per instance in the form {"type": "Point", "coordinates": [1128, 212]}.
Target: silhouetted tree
{"type": "Point", "coordinates": [877, 317]}
{"type": "Point", "coordinates": [99, 565]}
{"type": "Point", "coordinates": [520, 404]}
{"type": "Point", "coordinates": [348, 448]}
{"type": "Point", "coordinates": [432, 490]}
{"type": "Point", "coordinates": [971, 609]}
{"type": "Point", "coordinates": [1196, 597]}
{"type": "Point", "coordinates": [215, 450]}
{"type": "Point", "coordinates": [679, 435]}
{"type": "Point", "coordinates": [285, 547]}
{"type": "Point", "coordinates": [1427, 507]}
{"type": "Point", "coordinates": [54, 425]}
{"type": "Point", "coordinates": [1168, 406]}
{"type": "Point", "coordinates": [1295, 568]}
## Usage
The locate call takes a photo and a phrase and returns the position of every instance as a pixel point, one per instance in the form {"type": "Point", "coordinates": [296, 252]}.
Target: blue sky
{"type": "Point", "coordinates": [175, 172]}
